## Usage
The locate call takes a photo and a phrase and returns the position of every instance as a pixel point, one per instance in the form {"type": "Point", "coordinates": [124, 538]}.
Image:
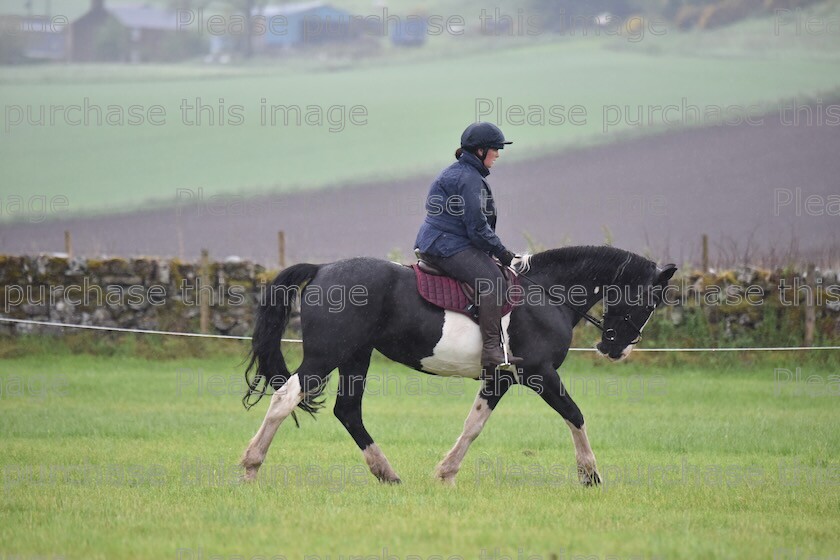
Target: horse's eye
{"type": "Point", "coordinates": [627, 317]}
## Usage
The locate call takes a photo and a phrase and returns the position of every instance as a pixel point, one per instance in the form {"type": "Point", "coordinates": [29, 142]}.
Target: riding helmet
{"type": "Point", "coordinates": [483, 135]}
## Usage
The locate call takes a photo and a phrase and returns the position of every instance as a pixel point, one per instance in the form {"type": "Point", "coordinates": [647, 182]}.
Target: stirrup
{"type": "Point", "coordinates": [507, 365]}
{"type": "Point", "coordinates": [488, 374]}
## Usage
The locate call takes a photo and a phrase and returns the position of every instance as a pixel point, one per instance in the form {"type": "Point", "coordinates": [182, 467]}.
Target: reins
{"type": "Point", "coordinates": [610, 333]}
{"type": "Point", "coordinates": [554, 301]}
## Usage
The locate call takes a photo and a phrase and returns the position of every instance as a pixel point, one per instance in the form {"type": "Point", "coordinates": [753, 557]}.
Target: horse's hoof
{"type": "Point", "coordinates": [445, 474]}
{"type": "Point", "coordinates": [390, 480]}
{"type": "Point", "coordinates": [591, 480]}
{"type": "Point", "coordinates": [250, 475]}
{"type": "Point", "coordinates": [445, 478]}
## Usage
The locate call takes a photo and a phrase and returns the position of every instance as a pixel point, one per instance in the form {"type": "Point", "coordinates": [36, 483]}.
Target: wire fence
{"type": "Point", "coordinates": [298, 341]}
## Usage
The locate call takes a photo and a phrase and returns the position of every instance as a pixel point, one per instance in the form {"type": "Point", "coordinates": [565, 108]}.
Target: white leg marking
{"type": "Point", "coordinates": [283, 402]}
{"type": "Point", "coordinates": [451, 464]}
{"type": "Point", "coordinates": [379, 465]}
{"type": "Point", "coordinates": [587, 470]}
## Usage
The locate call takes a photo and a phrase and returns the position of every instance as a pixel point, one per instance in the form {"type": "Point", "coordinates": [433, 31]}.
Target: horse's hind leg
{"type": "Point", "coordinates": [283, 402]}
{"type": "Point", "coordinates": [492, 390]}
{"type": "Point", "coordinates": [348, 410]}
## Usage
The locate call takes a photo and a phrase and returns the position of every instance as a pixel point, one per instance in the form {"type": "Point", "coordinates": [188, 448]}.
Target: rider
{"type": "Point", "coordinates": [458, 235]}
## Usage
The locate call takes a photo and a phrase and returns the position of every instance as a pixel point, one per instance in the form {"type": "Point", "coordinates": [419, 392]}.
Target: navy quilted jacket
{"type": "Point", "coordinates": [460, 211]}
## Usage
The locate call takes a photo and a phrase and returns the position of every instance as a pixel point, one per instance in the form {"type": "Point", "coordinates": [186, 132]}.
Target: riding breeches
{"type": "Point", "coordinates": [476, 268]}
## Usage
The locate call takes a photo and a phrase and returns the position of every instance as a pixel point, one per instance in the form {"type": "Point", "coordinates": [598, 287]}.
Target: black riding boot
{"type": "Point", "coordinates": [489, 321]}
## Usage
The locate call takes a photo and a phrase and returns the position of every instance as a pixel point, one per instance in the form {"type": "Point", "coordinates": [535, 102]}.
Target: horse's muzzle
{"type": "Point", "coordinates": [613, 352]}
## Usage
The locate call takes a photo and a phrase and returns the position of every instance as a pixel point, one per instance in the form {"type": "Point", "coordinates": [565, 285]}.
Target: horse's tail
{"type": "Point", "coordinates": [272, 317]}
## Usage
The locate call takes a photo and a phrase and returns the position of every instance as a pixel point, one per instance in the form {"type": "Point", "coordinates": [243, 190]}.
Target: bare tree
{"type": "Point", "coordinates": [247, 9]}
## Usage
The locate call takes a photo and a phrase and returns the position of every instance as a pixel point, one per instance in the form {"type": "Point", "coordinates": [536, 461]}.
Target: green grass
{"type": "Point", "coordinates": [416, 103]}
{"type": "Point", "coordinates": [690, 454]}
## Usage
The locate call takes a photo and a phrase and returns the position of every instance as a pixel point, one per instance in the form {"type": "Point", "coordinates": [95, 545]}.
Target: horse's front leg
{"type": "Point", "coordinates": [587, 469]}
{"type": "Point", "coordinates": [548, 385]}
{"type": "Point", "coordinates": [491, 392]}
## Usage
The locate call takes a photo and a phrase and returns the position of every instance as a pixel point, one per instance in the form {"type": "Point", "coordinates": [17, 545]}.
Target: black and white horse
{"type": "Point", "coordinates": [375, 306]}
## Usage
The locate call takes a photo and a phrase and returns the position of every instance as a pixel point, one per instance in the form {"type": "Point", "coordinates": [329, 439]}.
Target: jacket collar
{"type": "Point", "coordinates": [471, 159]}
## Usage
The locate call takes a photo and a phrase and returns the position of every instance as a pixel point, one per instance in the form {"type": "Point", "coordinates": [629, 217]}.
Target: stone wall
{"type": "Point", "coordinates": [161, 294]}
{"type": "Point", "coordinates": [751, 305]}
{"type": "Point", "coordinates": [142, 293]}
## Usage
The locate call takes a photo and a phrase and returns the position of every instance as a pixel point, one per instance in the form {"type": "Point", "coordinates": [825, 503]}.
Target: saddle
{"type": "Point", "coordinates": [445, 292]}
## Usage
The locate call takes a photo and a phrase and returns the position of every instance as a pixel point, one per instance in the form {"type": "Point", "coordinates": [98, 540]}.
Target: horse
{"type": "Point", "coordinates": [379, 308]}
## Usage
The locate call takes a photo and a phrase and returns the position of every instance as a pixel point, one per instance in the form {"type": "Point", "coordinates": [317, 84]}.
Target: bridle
{"type": "Point", "coordinates": [609, 333]}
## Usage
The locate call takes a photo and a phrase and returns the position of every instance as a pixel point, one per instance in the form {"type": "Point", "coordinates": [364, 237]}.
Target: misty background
{"type": "Point", "coordinates": [163, 128]}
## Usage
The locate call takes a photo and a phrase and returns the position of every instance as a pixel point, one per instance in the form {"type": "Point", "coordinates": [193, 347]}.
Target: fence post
{"type": "Point", "coordinates": [204, 285]}
{"type": "Point", "coordinates": [810, 305]}
{"type": "Point", "coordinates": [68, 244]}
{"type": "Point", "coordinates": [281, 249]}
{"type": "Point", "coordinates": [705, 253]}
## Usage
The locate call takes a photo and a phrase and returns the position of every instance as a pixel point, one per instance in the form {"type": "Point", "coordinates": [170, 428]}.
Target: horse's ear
{"type": "Point", "coordinates": [665, 274]}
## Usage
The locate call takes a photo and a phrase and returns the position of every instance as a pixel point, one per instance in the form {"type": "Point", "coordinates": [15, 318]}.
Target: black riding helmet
{"type": "Point", "coordinates": [483, 135]}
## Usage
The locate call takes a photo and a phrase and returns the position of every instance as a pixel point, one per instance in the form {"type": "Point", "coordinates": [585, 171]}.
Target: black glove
{"type": "Point", "coordinates": [506, 258]}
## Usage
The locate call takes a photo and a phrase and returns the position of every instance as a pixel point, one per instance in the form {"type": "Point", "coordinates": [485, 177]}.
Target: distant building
{"type": "Point", "coordinates": [410, 31]}
{"type": "Point", "coordinates": [129, 33]}
{"type": "Point", "coordinates": [34, 38]}
{"type": "Point", "coordinates": [304, 24]}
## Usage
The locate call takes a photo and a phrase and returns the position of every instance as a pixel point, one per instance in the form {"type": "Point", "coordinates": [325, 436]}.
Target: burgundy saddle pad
{"type": "Point", "coordinates": [448, 293]}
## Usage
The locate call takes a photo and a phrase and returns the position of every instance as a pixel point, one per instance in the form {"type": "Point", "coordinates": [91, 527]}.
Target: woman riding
{"type": "Point", "coordinates": [458, 235]}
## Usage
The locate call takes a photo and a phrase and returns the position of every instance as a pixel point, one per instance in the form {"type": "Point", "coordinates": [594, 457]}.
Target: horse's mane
{"type": "Point", "coordinates": [596, 260]}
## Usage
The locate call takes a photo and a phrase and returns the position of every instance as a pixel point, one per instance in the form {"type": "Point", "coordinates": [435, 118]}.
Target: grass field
{"type": "Point", "coordinates": [410, 107]}
{"type": "Point", "coordinates": [702, 457]}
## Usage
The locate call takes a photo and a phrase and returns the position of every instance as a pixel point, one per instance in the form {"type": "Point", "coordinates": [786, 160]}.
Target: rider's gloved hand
{"type": "Point", "coordinates": [506, 258]}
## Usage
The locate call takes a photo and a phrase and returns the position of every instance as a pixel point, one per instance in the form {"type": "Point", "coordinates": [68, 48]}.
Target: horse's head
{"type": "Point", "coordinates": [627, 313]}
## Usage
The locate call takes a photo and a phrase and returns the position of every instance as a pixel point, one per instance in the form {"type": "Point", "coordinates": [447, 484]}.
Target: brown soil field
{"type": "Point", "coordinates": [761, 193]}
